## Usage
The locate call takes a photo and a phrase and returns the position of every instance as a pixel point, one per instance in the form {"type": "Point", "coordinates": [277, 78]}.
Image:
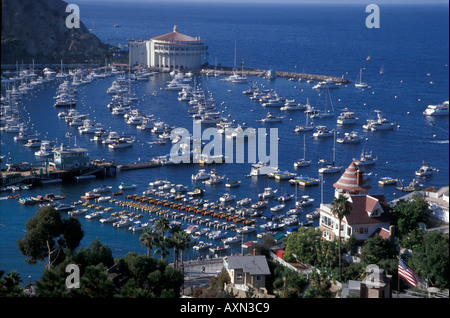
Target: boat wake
{"type": "Point", "coordinates": [440, 141]}
{"type": "Point", "coordinates": [3, 198]}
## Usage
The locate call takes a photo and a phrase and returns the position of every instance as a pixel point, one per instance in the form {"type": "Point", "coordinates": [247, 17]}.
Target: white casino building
{"type": "Point", "coordinates": [173, 50]}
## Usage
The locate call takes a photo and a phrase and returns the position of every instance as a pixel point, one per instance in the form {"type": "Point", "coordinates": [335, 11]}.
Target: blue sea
{"type": "Point", "coordinates": [411, 45]}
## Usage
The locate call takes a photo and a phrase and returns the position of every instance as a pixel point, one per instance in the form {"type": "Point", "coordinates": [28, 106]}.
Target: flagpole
{"type": "Point", "coordinates": [398, 275]}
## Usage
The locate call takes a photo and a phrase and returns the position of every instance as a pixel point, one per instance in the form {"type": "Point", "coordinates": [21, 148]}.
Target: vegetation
{"type": "Point", "coordinates": [340, 208]}
{"type": "Point", "coordinates": [48, 235]}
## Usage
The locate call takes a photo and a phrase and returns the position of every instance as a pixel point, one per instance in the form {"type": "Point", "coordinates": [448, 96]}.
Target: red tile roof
{"type": "Point", "coordinates": [361, 204]}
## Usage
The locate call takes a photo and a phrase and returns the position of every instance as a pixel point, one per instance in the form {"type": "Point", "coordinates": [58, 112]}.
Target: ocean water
{"type": "Point", "coordinates": [412, 41]}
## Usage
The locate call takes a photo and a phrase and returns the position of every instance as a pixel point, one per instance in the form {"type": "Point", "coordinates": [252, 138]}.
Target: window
{"type": "Point", "coordinates": [239, 276]}
{"type": "Point", "coordinates": [258, 277]}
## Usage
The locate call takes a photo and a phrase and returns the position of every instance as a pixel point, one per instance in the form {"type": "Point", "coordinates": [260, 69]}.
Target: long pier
{"type": "Point", "coordinates": [258, 72]}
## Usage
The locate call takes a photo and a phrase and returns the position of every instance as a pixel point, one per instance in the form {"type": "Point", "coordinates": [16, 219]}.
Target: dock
{"type": "Point", "coordinates": [42, 174]}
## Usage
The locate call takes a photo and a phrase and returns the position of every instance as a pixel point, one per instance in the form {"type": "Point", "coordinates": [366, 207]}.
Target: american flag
{"type": "Point", "coordinates": [407, 273]}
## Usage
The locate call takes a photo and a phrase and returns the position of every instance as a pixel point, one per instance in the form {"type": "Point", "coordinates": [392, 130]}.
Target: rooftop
{"type": "Point", "coordinates": [254, 265]}
{"type": "Point", "coordinates": [175, 36]}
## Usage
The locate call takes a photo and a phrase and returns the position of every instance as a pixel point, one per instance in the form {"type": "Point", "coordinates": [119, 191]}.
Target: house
{"type": "Point", "coordinates": [438, 202]}
{"type": "Point", "coordinates": [377, 284]}
{"type": "Point", "coordinates": [68, 159]}
{"type": "Point", "coordinates": [247, 272]}
{"type": "Point", "coordinates": [369, 213]}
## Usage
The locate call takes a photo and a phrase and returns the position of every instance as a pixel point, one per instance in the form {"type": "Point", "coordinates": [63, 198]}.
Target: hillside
{"type": "Point", "coordinates": [37, 29]}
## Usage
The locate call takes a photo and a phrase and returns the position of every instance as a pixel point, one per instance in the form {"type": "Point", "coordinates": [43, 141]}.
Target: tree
{"type": "Point", "coordinates": [407, 214]}
{"type": "Point", "coordinates": [430, 260]}
{"type": "Point", "coordinates": [180, 241]}
{"type": "Point", "coordinates": [302, 245]}
{"type": "Point", "coordinates": [10, 284]}
{"type": "Point", "coordinates": [341, 208]}
{"type": "Point", "coordinates": [376, 249]}
{"type": "Point", "coordinates": [162, 225]}
{"type": "Point", "coordinates": [48, 235]}
{"type": "Point", "coordinates": [148, 239]}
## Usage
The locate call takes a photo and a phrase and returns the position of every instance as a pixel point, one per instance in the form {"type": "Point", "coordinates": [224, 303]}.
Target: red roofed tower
{"type": "Point", "coordinates": [351, 182]}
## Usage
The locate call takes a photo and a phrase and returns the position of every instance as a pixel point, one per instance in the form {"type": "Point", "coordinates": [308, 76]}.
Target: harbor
{"type": "Point", "coordinates": [94, 140]}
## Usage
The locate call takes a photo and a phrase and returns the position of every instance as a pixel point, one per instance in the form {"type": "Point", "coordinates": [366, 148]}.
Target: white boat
{"type": "Point", "coordinates": [64, 207]}
{"type": "Point", "coordinates": [305, 200]}
{"type": "Point", "coordinates": [246, 229]}
{"type": "Point", "coordinates": [308, 126]}
{"type": "Point", "coordinates": [381, 123]}
{"type": "Point", "coordinates": [135, 120]}
{"type": "Point", "coordinates": [102, 189]}
{"type": "Point", "coordinates": [425, 170]}
{"type": "Point", "coordinates": [259, 205]}
{"type": "Point", "coordinates": [46, 149]}
{"type": "Point", "coordinates": [214, 180]}
{"type": "Point", "coordinates": [121, 143]}
{"type": "Point", "coordinates": [124, 222]}
{"type": "Point", "coordinates": [268, 193]}
{"type": "Point", "coordinates": [277, 208]}
{"type": "Point", "coordinates": [331, 168]}
{"type": "Point", "coordinates": [285, 197]}
{"type": "Point", "coordinates": [139, 227]}
{"type": "Point", "coordinates": [33, 143]}
{"type": "Point", "coordinates": [366, 159]}
{"type": "Point", "coordinates": [349, 138]}
{"type": "Point", "coordinates": [327, 84]}
{"type": "Point", "coordinates": [201, 175]}
{"type": "Point", "coordinates": [24, 136]}
{"type": "Point", "coordinates": [244, 202]}
{"type": "Point", "coordinates": [103, 199]}
{"type": "Point", "coordinates": [202, 246]}
{"type": "Point", "coordinates": [304, 181]}
{"type": "Point", "coordinates": [232, 239]}
{"type": "Point", "coordinates": [110, 219]}
{"type": "Point", "coordinates": [322, 132]}
{"type": "Point", "coordinates": [227, 197]}
{"type": "Point", "coordinates": [271, 118]}
{"type": "Point", "coordinates": [291, 105]}
{"type": "Point", "coordinates": [233, 184]}
{"type": "Point", "coordinates": [346, 118]}
{"type": "Point", "coordinates": [313, 215]}
{"type": "Point", "coordinates": [359, 83]}
{"type": "Point", "coordinates": [124, 186]}
{"type": "Point", "coordinates": [77, 212]}
{"type": "Point", "coordinates": [437, 110]}
{"type": "Point", "coordinates": [259, 169]}
{"type": "Point", "coordinates": [94, 215]}
{"type": "Point", "coordinates": [302, 162]}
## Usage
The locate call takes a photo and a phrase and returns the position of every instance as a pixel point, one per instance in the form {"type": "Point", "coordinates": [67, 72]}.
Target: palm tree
{"type": "Point", "coordinates": [162, 224]}
{"type": "Point", "coordinates": [181, 239]}
{"type": "Point", "coordinates": [148, 239]}
{"type": "Point", "coordinates": [341, 208]}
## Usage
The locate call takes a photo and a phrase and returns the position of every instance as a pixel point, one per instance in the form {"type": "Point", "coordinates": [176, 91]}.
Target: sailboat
{"type": "Point", "coordinates": [326, 112]}
{"type": "Point", "coordinates": [360, 84]}
{"type": "Point", "coordinates": [303, 162]}
{"type": "Point", "coordinates": [308, 126]}
{"type": "Point", "coordinates": [332, 168]}
{"type": "Point", "coordinates": [382, 70]}
{"type": "Point", "coordinates": [236, 78]}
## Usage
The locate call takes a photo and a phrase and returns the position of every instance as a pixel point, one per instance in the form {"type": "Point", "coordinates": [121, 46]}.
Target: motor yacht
{"type": "Point", "coordinates": [346, 118]}
{"type": "Point", "coordinates": [201, 175]}
{"type": "Point", "coordinates": [259, 169]}
{"type": "Point", "coordinates": [381, 123]}
{"type": "Point", "coordinates": [322, 132]}
{"type": "Point", "coordinates": [425, 170]}
{"type": "Point", "coordinates": [437, 110]}
{"type": "Point", "coordinates": [350, 138]}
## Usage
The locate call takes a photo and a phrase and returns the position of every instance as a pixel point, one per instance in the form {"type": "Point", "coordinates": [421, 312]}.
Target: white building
{"type": "Point", "coordinates": [169, 51]}
{"type": "Point", "coordinates": [369, 214]}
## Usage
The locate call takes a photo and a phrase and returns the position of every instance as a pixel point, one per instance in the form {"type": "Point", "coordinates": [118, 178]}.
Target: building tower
{"type": "Point", "coordinates": [351, 182]}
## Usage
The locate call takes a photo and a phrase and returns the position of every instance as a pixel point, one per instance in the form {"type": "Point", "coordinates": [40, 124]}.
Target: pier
{"type": "Point", "coordinates": [260, 73]}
